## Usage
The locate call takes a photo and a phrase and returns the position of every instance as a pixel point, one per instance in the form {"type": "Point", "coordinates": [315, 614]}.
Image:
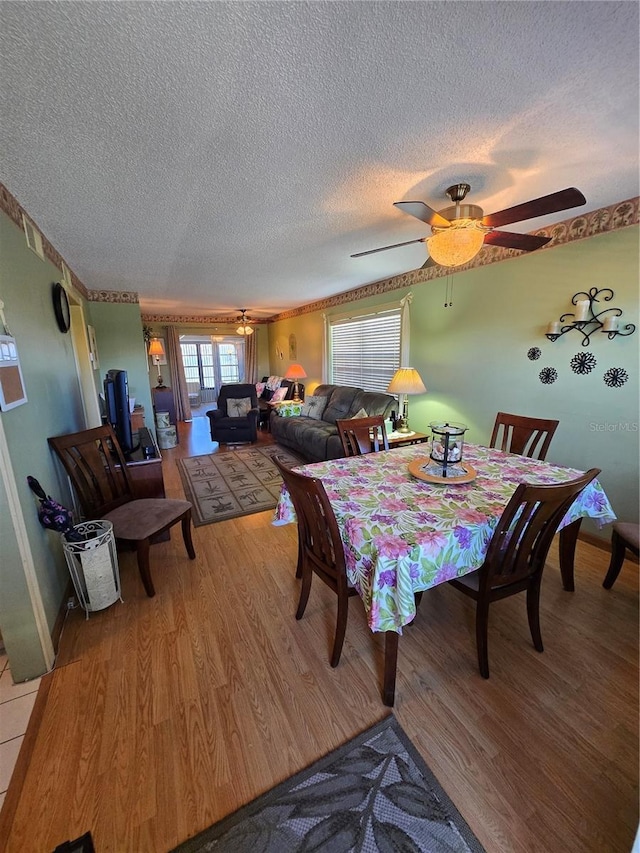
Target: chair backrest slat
{"type": "Point", "coordinates": [525, 530]}
{"type": "Point", "coordinates": [96, 466]}
{"type": "Point", "coordinates": [523, 435]}
{"type": "Point", "coordinates": [317, 525]}
{"type": "Point", "coordinates": [362, 435]}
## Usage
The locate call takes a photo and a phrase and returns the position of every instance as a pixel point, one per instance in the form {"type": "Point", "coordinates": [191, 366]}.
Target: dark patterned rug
{"type": "Point", "coordinates": [375, 794]}
{"type": "Point", "coordinates": [233, 483]}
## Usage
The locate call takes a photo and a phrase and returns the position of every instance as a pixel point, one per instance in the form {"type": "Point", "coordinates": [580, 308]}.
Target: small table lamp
{"type": "Point", "coordinates": [156, 351]}
{"type": "Point", "coordinates": [406, 381]}
{"type": "Point", "coordinates": [295, 372]}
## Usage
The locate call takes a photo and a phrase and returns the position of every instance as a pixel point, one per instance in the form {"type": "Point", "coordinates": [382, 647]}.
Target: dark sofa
{"type": "Point", "coordinates": [318, 440]}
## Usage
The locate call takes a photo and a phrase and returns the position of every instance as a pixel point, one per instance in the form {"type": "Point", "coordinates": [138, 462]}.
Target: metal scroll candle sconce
{"type": "Point", "coordinates": [588, 319]}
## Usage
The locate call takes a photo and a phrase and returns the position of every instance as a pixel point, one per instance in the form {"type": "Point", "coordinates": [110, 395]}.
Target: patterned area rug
{"type": "Point", "coordinates": [230, 484]}
{"type": "Point", "coordinates": [375, 794]}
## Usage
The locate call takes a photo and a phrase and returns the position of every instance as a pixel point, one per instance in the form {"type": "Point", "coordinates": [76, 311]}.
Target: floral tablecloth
{"type": "Point", "coordinates": [402, 535]}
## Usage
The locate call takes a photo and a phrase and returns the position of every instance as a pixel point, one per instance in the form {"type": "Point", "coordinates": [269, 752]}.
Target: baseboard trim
{"type": "Point", "coordinates": [58, 625]}
{"type": "Point", "coordinates": [596, 541]}
{"type": "Point", "coordinates": [605, 545]}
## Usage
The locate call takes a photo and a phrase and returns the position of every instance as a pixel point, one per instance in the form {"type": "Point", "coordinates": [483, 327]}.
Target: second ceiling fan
{"type": "Point", "coordinates": [460, 231]}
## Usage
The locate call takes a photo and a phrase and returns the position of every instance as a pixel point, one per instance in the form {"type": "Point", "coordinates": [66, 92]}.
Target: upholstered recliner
{"type": "Point", "coordinates": [235, 419]}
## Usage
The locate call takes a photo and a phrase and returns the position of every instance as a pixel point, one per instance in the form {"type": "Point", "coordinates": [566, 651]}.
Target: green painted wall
{"type": "Point", "coordinates": [54, 406]}
{"type": "Point", "coordinates": [473, 355]}
{"type": "Point", "coordinates": [121, 346]}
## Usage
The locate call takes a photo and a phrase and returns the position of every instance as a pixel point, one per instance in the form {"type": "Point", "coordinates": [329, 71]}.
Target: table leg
{"type": "Point", "coordinates": [568, 539]}
{"type": "Point", "coordinates": [390, 666]}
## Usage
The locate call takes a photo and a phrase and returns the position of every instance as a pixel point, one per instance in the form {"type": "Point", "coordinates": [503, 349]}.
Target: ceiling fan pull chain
{"type": "Point", "coordinates": [448, 294]}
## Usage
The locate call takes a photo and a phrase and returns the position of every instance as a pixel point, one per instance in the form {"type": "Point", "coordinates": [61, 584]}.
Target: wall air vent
{"type": "Point", "coordinates": [34, 239]}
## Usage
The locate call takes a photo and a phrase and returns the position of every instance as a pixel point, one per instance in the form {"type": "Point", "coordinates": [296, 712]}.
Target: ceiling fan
{"type": "Point", "coordinates": [460, 231]}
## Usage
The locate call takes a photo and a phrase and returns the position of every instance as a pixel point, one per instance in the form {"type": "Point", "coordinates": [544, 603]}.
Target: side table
{"type": "Point", "coordinates": [399, 439]}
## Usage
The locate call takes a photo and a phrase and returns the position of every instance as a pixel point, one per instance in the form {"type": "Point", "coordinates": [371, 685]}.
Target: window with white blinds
{"type": "Point", "coordinates": [365, 351]}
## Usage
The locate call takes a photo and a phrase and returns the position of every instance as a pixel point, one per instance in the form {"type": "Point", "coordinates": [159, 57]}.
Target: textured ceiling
{"type": "Point", "coordinates": [214, 155]}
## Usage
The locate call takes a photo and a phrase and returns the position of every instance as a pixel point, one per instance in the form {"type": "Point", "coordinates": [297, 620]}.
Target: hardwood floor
{"type": "Point", "coordinates": [163, 715]}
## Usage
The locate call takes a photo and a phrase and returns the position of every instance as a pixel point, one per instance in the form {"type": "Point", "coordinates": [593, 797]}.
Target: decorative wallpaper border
{"type": "Point", "coordinates": [14, 211]}
{"type": "Point", "coordinates": [619, 215]}
{"type": "Point", "coordinates": [622, 214]}
{"type": "Point", "coordinates": [116, 296]}
{"type": "Point", "coordinates": [192, 320]}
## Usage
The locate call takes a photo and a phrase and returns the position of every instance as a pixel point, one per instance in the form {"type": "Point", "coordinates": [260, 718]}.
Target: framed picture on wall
{"type": "Point", "coordinates": [293, 348]}
{"type": "Point", "coordinates": [12, 391]}
{"type": "Point", "coordinates": [93, 349]}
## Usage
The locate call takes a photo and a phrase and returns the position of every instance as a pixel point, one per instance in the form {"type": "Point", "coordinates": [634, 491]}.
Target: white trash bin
{"type": "Point", "coordinates": [93, 564]}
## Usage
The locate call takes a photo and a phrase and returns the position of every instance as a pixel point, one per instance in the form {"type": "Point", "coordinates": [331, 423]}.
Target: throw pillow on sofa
{"type": "Point", "coordinates": [288, 409]}
{"type": "Point", "coordinates": [360, 414]}
{"type": "Point", "coordinates": [260, 386]}
{"type": "Point", "coordinates": [279, 395]}
{"type": "Point", "coordinates": [313, 407]}
{"type": "Point", "coordinates": [239, 408]}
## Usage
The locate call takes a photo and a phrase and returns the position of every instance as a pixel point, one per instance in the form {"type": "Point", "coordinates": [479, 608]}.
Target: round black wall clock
{"type": "Point", "coordinates": [61, 307]}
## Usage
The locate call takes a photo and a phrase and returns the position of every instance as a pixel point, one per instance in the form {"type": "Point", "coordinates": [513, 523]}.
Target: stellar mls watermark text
{"type": "Point", "coordinates": [619, 426]}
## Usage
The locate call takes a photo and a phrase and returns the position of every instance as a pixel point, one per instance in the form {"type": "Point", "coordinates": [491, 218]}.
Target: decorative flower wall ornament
{"type": "Point", "coordinates": [615, 377]}
{"type": "Point", "coordinates": [534, 353]}
{"type": "Point", "coordinates": [583, 362]}
{"type": "Point", "coordinates": [548, 375]}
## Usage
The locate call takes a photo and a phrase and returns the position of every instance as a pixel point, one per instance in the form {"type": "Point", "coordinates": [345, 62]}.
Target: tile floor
{"type": "Point", "coordinates": [16, 704]}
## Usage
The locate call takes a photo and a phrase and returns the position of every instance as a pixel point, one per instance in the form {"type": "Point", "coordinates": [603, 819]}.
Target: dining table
{"type": "Point", "coordinates": [403, 535]}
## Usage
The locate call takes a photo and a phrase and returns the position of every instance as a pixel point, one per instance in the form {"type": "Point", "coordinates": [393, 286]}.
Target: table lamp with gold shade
{"type": "Point", "coordinates": [406, 380]}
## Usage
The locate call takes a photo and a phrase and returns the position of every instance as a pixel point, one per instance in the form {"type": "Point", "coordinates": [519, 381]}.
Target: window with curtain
{"type": "Point", "coordinates": [229, 362]}
{"type": "Point", "coordinates": [365, 351]}
{"type": "Point", "coordinates": [212, 363]}
{"type": "Point", "coordinates": [198, 363]}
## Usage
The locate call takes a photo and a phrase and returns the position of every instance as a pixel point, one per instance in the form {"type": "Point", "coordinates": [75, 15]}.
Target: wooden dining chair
{"type": "Point", "coordinates": [321, 551]}
{"type": "Point", "coordinates": [517, 553]}
{"type": "Point", "coordinates": [626, 535]}
{"type": "Point", "coordinates": [362, 435]}
{"type": "Point", "coordinates": [98, 471]}
{"type": "Point", "coordinates": [522, 435]}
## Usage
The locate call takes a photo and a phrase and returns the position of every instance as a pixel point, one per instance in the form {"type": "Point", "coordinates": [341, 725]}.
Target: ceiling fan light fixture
{"type": "Point", "coordinates": [458, 244]}
{"type": "Point", "coordinates": [243, 328]}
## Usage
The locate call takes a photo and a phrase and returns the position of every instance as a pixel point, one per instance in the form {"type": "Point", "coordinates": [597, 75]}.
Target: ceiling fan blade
{"type": "Point", "coordinates": [422, 212]}
{"type": "Point", "coordinates": [526, 242]}
{"type": "Point", "coordinates": [562, 200]}
{"type": "Point", "coordinates": [428, 263]}
{"type": "Point", "coordinates": [384, 248]}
